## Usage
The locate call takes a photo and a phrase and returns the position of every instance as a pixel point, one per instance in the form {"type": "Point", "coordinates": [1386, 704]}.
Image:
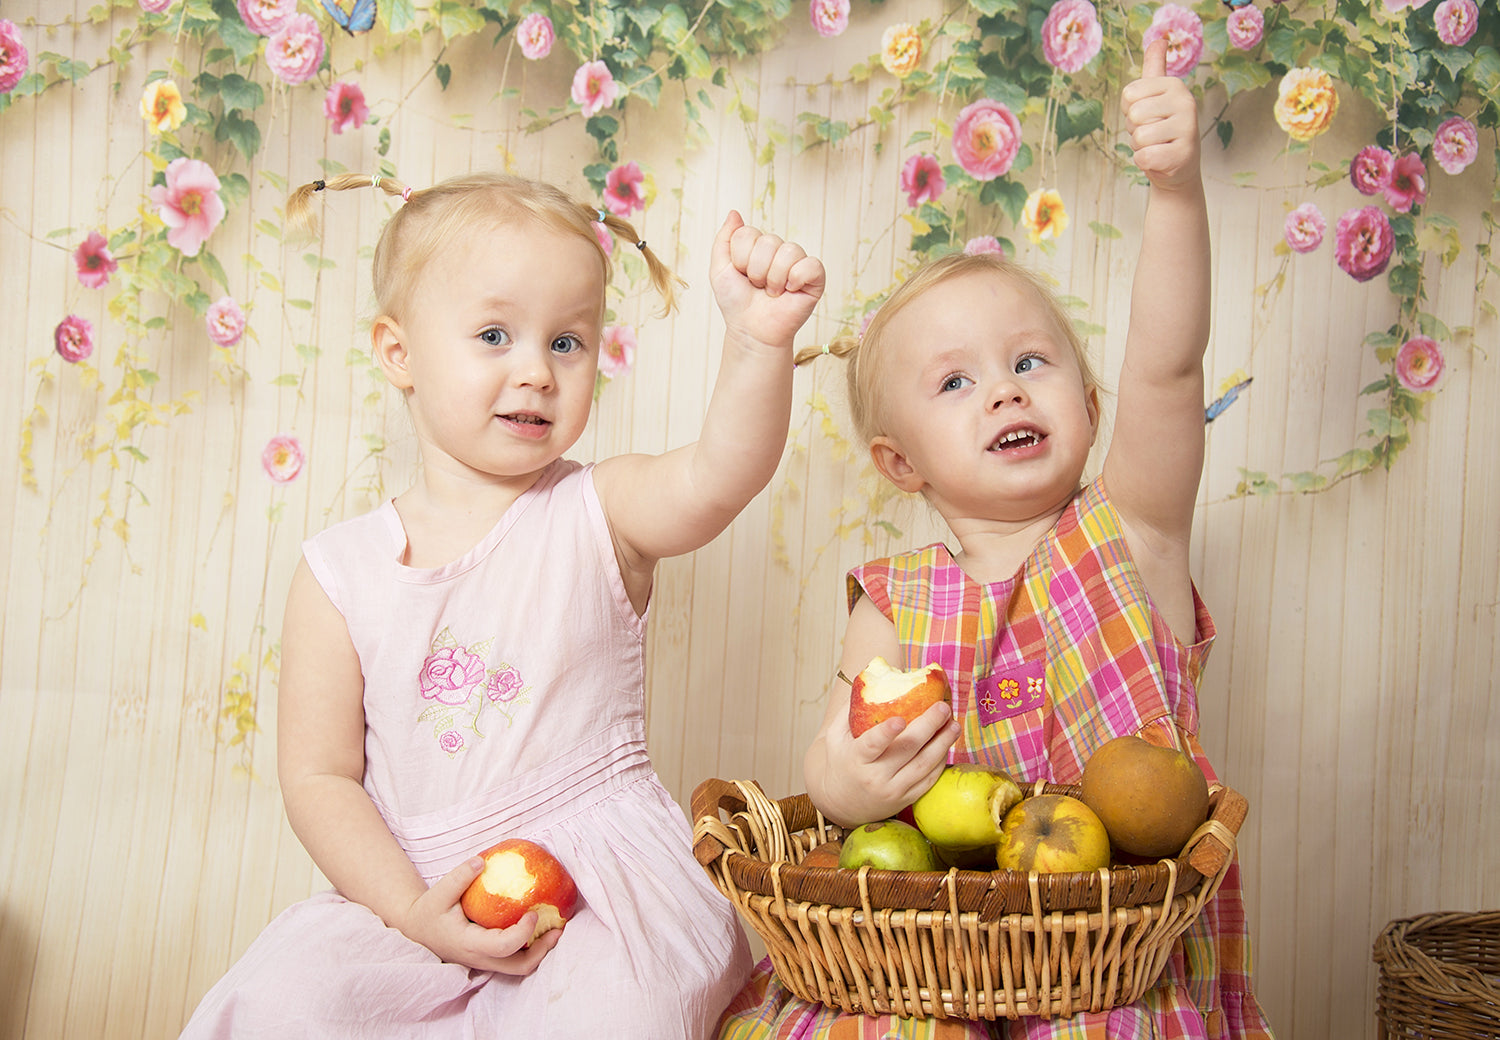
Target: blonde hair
{"type": "Point", "coordinates": [864, 351]}
{"type": "Point", "coordinates": [431, 217]}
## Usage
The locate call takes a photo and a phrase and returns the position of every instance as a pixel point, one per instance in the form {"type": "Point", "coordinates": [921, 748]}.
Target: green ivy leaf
{"type": "Point", "coordinates": [243, 133]}
{"type": "Point", "coordinates": [240, 93]}
{"type": "Point", "coordinates": [1078, 118]}
{"type": "Point", "coordinates": [210, 263]}
{"type": "Point", "coordinates": [1105, 230]}
{"type": "Point", "coordinates": [233, 32]}
{"type": "Point", "coordinates": [444, 73]}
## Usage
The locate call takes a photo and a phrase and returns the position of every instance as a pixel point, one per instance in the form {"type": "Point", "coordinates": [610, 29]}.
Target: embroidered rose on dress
{"type": "Point", "coordinates": [463, 692]}
{"type": "Point", "coordinates": [503, 685]}
{"type": "Point", "coordinates": [450, 675]}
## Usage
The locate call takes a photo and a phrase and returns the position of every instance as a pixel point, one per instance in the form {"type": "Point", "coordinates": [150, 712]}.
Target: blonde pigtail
{"type": "Point", "coordinates": [662, 279]}
{"type": "Point", "coordinates": [302, 219]}
{"type": "Point", "coordinates": [839, 347]}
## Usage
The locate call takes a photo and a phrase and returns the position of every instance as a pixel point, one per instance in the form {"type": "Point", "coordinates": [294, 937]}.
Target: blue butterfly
{"type": "Point", "coordinates": [1236, 4]}
{"type": "Point", "coordinates": [360, 19]}
{"type": "Point", "coordinates": [1216, 409]}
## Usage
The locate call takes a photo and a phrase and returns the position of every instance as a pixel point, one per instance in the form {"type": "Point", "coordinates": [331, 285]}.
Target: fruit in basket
{"type": "Point", "coordinates": [825, 855]}
{"type": "Point", "coordinates": [520, 876]}
{"type": "Point", "coordinates": [888, 845]}
{"type": "Point", "coordinates": [962, 810]}
{"type": "Point", "coordinates": [1052, 833]}
{"type": "Point", "coordinates": [1150, 798]}
{"type": "Point", "coordinates": [882, 691]}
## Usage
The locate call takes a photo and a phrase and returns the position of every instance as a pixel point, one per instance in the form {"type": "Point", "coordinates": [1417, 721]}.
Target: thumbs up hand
{"type": "Point", "coordinates": [1161, 116]}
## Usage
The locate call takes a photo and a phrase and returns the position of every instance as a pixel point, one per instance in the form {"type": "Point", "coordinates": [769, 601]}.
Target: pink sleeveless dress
{"type": "Point", "coordinates": [504, 696]}
{"type": "Point", "coordinates": [1045, 667]}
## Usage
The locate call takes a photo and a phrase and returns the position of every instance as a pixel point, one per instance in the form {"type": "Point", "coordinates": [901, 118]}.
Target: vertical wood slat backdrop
{"type": "Point", "coordinates": [1350, 696]}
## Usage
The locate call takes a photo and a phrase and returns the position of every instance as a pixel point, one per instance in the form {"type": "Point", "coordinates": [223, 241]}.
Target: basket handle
{"type": "Point", "coordinates": [1213, 844]}
{"type": "Point", "coordinates": [709, 798]}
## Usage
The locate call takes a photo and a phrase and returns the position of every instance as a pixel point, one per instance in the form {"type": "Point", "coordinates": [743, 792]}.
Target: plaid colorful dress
{"type": "Point", "coordinates": [1045, 667]}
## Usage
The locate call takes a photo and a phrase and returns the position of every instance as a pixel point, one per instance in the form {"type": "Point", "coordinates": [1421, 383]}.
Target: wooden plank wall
{"type": "Point", "coordinates": [1351, 696]}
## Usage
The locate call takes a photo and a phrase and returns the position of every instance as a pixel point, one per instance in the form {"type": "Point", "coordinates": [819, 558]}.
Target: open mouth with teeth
{"type": "Point", "coordinates": [529, 420]}
{"type": "Point", "coordinates": [1024, 438]}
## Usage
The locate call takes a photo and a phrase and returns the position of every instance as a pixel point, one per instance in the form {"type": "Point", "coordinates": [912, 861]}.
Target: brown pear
{"type": "Point", "coordinates": [1151, 799]}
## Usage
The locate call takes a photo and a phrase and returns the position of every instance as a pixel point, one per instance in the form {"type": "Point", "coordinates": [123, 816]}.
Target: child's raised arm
{"type": "Point", "coordinates": [669, 504]}
{"type": "Point", "coordinates": [1155, 457]}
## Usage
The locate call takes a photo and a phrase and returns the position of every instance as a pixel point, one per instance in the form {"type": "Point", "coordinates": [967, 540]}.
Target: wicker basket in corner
{"type": "Point", "coordinates": [961, 944]}
{"type": "Point", "coordinates": [1439, 977]}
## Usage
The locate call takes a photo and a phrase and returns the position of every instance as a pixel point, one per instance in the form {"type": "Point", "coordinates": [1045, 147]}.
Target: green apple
{"type": "Point", "coordinates": [888, 845]}
{"type": "Point", "coordinates": [963, 809]}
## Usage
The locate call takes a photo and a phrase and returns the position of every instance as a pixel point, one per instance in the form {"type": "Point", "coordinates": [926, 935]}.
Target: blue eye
{"type": "Point", "coordinates": [1027, 363]}
{"type": "Point", "coordinates": [494, 337]}
{"type": "Point", "coordinates": [956, 383]}
{"type": "Point", "coordinates": [567, 345]}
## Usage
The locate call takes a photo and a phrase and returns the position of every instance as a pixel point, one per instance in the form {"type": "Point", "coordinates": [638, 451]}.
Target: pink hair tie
{"type": "Point", "coordinates": [406, 193]}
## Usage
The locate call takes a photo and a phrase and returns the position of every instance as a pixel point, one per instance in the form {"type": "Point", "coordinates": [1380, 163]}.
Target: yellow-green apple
{"type": "Point", "coordinates": [1052, 833]}
{"type": "Point", "coordinates": [888, 845]}
{"type": "Point", "coordinates": [963, 808]}
{"type": "Point", "coordinates": [1150, 798]}
{"type": "Point", "coordinates": [520, 876]}
{"type": "Point", "coordinates": [881, 691]}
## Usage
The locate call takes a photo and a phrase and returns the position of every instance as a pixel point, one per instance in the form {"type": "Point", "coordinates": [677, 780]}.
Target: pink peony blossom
{"type": "Point", "coordinates": [1071, 34]}
{"type": "Point", "coordinates": [981, 244]}
{"type": "Point", "coordinates": [295, 51]}
{"type": "Point", "coordinates": [829, 17]}
{"type": "Point", "coordinates": [13, 56]}
{"type": "Point", "coordinates": [535, 34]}
{"type": "Point", "coordinates": [282, 458]}
{"type": "Point", "coordinates": [450, 675]}
{"type": "Point", "coordinates": [266, 16]}
{"type": "Point", "coordinates": [594, 88]}
{"type": "Point", "coordinates": [73, 338]}
{"type": "Point", "coordinates": [1362, 243]}
{"type": "Point", "coordinates": [1183, 31]}
{"type": "Point", "coordinates": [226, 321]}
{"type": "Point", "coordinates": [1456, 144]}
{"type": "Point", "coordinates": [606, 240]}
{"type": "Point", "coordinates": [1456, 21]}
{"type": "Point", "coordinates": [93, 261]}
{"type": "Point", "coordinates": [345, 107]}
{"type": "Point", "coordinates": [155, 6]}
{"type": "Point", "coordinates": [189, 203]}
{"type": "Point", "coordinates": [922, 179]}
{"type": "Point", "coordinates": [1304, 228]}
{"type": "Point", "coordinates": [617, 352]}
{"type": "Point", "coordinates": [1419, 363]}
{"type": "Point", "coordinates": [986, 139]}
{"type": "Point", "coordinates": [1407, 186]}
{"type": "Point", "coordinates": [1370, 170]}
{"type": "Point", "coordinates": [625, 190]}
{"type": "Point", "coordinates": [1246, 26]}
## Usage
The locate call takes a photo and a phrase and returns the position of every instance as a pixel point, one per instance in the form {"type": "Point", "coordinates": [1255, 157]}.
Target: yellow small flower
{"type": "Point", "coordinates": [162, 107]}
{"type": "Point", "coordinates": [1044, 215]}
{"type": "Point", "coordinates": [1306, 103]}
{"type": "Point", "coordinates": [900, 50]}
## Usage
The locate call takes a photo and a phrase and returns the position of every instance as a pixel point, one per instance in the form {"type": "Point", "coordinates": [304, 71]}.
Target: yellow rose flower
{"type": "Point", "coordinates": [1306, 103]}
{"type": "Point", "coordinates": [1044, 215]}
{"type": "Point", "coordinates": [162, 107]}
{"type": "Point", "coordinates": [900, 50]}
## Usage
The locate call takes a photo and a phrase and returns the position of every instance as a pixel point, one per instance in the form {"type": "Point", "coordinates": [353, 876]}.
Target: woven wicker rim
{"type": "Point", "coordinates": [1441, 967]}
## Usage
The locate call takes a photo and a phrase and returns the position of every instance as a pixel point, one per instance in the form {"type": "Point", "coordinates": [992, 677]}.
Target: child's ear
{"type": "Point", "coordinates": [1093, 407]}
{"type": "Point", "coordinates": [893, 464]}
{"type": "Point", "coordinates": [388, 343]}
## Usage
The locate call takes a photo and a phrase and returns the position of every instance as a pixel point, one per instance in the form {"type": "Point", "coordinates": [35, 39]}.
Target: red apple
{"type": "Point", "coordinates": [518, 876]}
{"type": "Point", "coordinates": [883, 692]}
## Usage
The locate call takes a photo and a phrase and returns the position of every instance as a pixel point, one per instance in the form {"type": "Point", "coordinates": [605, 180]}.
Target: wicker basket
{"type": "Point", "coordinates": [961, 944]}
{"type": "Point", "coordinates": [1439, 977]}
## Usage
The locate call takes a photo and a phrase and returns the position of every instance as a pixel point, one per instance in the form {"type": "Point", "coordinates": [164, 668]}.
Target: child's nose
{"type": "Point", "coordinates": [1008, 390]}
{"type": "Point", "coordinates": [533, 368]}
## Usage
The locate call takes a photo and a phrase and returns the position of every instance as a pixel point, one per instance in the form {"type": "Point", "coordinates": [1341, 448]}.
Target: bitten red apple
{"type": "Point", "coordinates": [883, 692]}
{"type": "Point", "coordinates": [518, 876]}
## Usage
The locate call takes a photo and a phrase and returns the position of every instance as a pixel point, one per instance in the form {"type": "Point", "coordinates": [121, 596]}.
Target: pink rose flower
{"type": "Point", "coordinates": [535, 35]}
{"type": "Point", "coordinates": [155, 6]}
{"type": "Point", "coordinates": [450, 675]}
{"type": "Point", "coordinates": [1456, 21]}
{"type": "Point", "coordinates": [1246, 26]}
{"type": "Point", "coordinates": [189, 203]}
{"type": "Point", "coordinates": [1362, 243]}
{"type": "Point", "coordinates": [922, 179]}
{"type": "Point", "coordinates": [986, 139]}
{"type": "Point", "coordinates": [606, 240]}
{"type": "Point", "coordinates": [1071, 34]}
{"type": "Point", "coordinates": [282, 458]}
{"type": "Point", "coordinates": [981, 244]}
{"type": "Point", "coordinates": [617, 352]}
{"type": "Point", "coordinates": [73, 338]}
{"type": "Point", "coordinates": [1456, 144]}
{"type": "Point", "coordinates": [1370, 170]}
{"type": "Point", "coordinates": [226, 321]}
{"type": "Point", "coordinates": [594, 88]}
{"type": "Point", "coordinates": [266, 16]}
{"type": "Point", "coordinates": [295, 51]}
{"type": "Point", "coordinates": [93, 261]}
{"type": "Point", "coordinates": [1419, 364]}
{"type": "Point", "coordinates": [13, 56]}
{"type": "Point", "coordinates": [452, 741]}
{"type": "Point", "coordinates": [503, 685]}
{"type": "Point", "coordinates": [625, 189]}
{"type": "Point", "coordinates": [829, 17]}
{"type": "Point", "coordinates": [1304, 228]}
{"type": "Point", "coordinates": [1183, 31]}
{"type": "Point", "coordinates": [1407, 186]}
{"type": "Point", "coordinates": [345, 107]}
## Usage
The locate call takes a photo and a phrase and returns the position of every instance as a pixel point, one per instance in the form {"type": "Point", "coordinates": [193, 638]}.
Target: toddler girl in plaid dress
{"type": "Point", "coordinates": [1067, 616]}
